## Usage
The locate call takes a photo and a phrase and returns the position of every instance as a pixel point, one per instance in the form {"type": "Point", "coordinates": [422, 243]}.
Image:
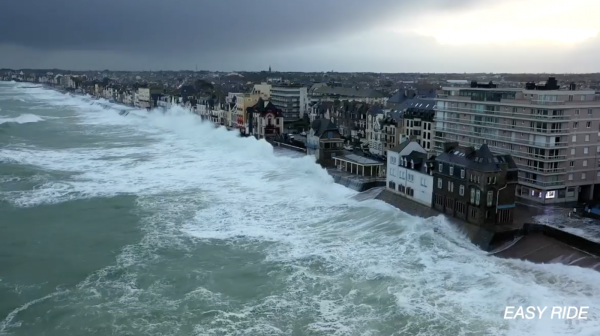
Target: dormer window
{"type": "Point", "coordinates": [462, 173]}
{"type": "Point", "coordinates": [412, 164]}
{"type": "Point", "coordinates": [451, 170]}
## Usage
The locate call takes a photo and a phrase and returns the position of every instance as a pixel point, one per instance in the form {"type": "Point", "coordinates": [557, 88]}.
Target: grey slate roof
{"type": "Point", "coordinates": [347, 92]}
{"type": "Point", "coordinates": [421, 103]}
{"type": "Point", "coordinates": [320, 126]}
{"type": "Point", "coordinates": [418, 158]}
{"type": "Point", "coordinates": [481, 160]}
{"type": "Point", "coordinates": [400, 147]}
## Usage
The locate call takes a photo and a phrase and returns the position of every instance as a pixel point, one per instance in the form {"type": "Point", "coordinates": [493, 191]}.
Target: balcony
{"type": "Point", "coordinates": [501, 138]}
{"type": "Point", "coordinates": [546, 102]}
{"type": "Point", "coordinates": [513, 152]}
{"type": "Point", "coordinates": [542, 184]}
{"type": "Point", "coordinates": [506, 127]}
{"type": "Point", "coordinates": [513, 115]}
{"type": "Point", "coordinates": [559, 170]}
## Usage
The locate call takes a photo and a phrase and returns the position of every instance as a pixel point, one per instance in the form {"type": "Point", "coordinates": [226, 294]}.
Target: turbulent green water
{"type": "Point", "coordinates": [156, 224]}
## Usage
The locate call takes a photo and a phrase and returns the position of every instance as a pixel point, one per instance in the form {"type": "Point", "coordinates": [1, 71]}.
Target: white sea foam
{"type": "Point", "coordinates": [344, 257]}
{"type": "Point", "coordinates": [22, 119]}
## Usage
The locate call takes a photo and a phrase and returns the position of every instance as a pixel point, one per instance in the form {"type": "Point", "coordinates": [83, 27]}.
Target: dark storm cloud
{"type": "Point", "coordinates": [173, 26]}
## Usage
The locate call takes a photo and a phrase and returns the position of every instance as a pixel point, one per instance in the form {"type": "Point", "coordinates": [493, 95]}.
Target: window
{"type": "Point", "coordinates": [585, 150]}
{"type": "Point", "coordinates": [439, 183]}
{"type": "Point", "coordinates": [440, 167]}
{"type": "Point", "coordinates": [412, 164]}
{"type": "Point", "coordinates": [571, 163]}
{"type": "Point", "coordinates": [423, 182]}
{"type": "Point", "coordinates": [587, 137]}
{"type": "Point", "coordinates": [393, 159]}
{"type": "Point", "coordinates": [462, 173]}
{"type": "Point", "coordinates": [585, 163]}
{"type": "Point", "coordinates": [461, 190]}
{"type": "Point", "coordinates": [410, 177]}
{"type": "Point", "coordinates": [572, 151]}
{"type": "Point", "coordinates": [574, 138]}
{"type": "Point", "coordinates": [473, 212]}
{"type": "Point", "coordinates": [570, 177]}
{"type": "Point", "coordinates": [589, 112]}
{"type": "Point", "coordinates": [588, 124]}
{"type": "Point", "coordinates": [451, 170]}
{"type": "Point", "coordinates": [576, 112]}
{"type": "Point", "coordinates": [583, 176]}
{"type": "Point", "coordinates": [472, 195]}
{"type": "Point", "coordinates": [477, 197]}
{"type": "Point", "coordinates": [575, 124]}
{"type": "Point", "coordinates": [450, 186]}
{"type": "Point", "coordinates": [490, 198]}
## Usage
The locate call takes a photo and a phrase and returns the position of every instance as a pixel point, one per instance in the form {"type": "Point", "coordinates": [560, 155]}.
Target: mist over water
{"type": "Point", "coordinates": [159, 224]}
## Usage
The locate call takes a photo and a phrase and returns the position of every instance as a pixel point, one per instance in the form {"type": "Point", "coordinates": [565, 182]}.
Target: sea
{"type": "Point", "coordinates": [155, 223]}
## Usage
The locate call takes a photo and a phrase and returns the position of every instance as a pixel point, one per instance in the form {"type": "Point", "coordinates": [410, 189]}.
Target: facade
{"type": "Point", "coordinates": [418, 123]}
{"type": "Point", "coordinates": [264, 90]}
{"type": "Point", "coordinates": [265, 119]}
{"type": "Point", "coordinates": [476, 186]}
{"type": "Point", "coordinates": [351, 118]}
{"type": "Point", "coordinates": [242, 102]}
{"type": "Point", "coordinates": [146, 97]}
{"type": "Point", "coordinates": [552, 133]}
{"type": "Point", "coordinates": [324, 141]}
{"type": "Point", "coordinates": [374, 130]}
{"type": "Point", "coordinates": [291, 99]}
{"type": "Point", "coordinates": [391, 130]}
{"type": "Point", "coordinates": [409, 172]}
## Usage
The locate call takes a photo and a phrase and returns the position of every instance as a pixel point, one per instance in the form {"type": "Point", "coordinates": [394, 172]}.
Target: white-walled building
{"type": "Point", "coordinates": [264, 90]}
{"type": "Point", "coordinates": [409, 173]}
{"type": "Point", "coordinates": [291, 99]}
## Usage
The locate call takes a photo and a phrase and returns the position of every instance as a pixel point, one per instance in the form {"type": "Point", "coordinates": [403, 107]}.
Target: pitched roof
{"type": "Point", "coordinates": [320, 126]}
{"type": "Point", "coordinates": [347, 92]}
{"type": "Point", "coordinates": [481, 159]}
{"type": "Point", "coordinates": [400, 147]}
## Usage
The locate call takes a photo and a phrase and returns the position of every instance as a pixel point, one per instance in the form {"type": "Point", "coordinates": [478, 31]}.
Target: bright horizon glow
{"type": "Point", "coordinates": [525, 21]}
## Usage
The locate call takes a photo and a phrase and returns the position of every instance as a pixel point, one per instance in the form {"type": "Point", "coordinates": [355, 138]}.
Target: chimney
{"type": "Point", "coordinates": [448, 146]}
{"type": "Point", "coordinates": [469, 150]}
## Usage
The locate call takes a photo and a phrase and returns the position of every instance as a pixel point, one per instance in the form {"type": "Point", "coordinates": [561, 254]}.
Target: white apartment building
{"type": "Point", "coordinates": [264, 90]}
{"type": "Point", "coordinates": [553, 134]}
{"type": "Point", "coordinates": [408, 172]}
{"type": "Point", "coordinates": [144, 98]}
{"type": "Point", "coordinates": [291, 99]}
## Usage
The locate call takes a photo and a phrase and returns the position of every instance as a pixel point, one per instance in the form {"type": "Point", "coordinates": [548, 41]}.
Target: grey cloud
{"type": "Point", "coordinates": [175, 26]}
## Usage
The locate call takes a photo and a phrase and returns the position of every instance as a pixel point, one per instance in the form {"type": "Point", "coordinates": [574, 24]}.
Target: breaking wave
{"type": "Point", "coordinates": [22, 119]}
{"type": "Point", "coordinates": [314, 260]}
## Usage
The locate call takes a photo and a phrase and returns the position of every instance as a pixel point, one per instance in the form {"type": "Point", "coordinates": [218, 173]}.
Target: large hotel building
{"type": "Point", "coordinates": [553, 134]}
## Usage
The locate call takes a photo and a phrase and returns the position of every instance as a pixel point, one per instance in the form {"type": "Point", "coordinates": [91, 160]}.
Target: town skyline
{"type": "Point", "coordinates": [384, 36]}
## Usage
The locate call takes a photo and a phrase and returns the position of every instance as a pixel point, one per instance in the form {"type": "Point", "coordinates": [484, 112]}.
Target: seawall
{"type": "Point", "coordinates": [538, 243]}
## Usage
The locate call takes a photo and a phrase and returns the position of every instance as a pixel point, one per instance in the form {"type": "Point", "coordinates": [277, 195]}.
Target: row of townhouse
{"type": "Point", "coordinates": [474, 185]}
{"type": "Point", "coordinates": [376, 128]}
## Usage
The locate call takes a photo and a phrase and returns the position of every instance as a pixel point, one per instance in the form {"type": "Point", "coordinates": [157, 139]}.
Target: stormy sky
{"type": "Point", "coordinates": [307, 35]}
